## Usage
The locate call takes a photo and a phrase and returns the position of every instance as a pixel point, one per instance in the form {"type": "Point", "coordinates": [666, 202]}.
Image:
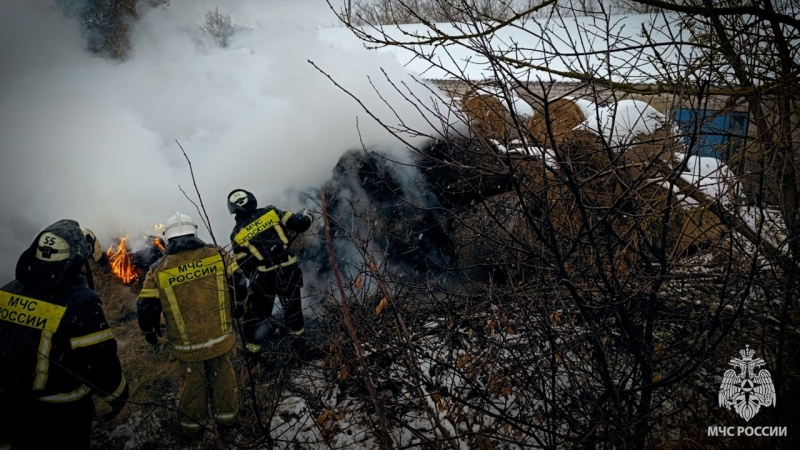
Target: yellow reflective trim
{"type": "Point", "coordinates": [149, 293]}
{"type": "Point", "coordinates": [43, 360]}
{"type": "Point", "coordinates": [286, 217]}
{"type": "Point", "coordinates": [233, 267]}
{"type": "Point", "coordinates": [77, 394]}
{"type": "Point", "coordinates": [118, 391]}
{"type": "Point", "coordinates": [255, 252]}
{"type": "Point", "coordinates": [225, 417]}
{"type": "Point", "coordinates": [185, 273]}
{"type": "Point", "coordinates": [91, 339]}
{"type": "Point", "coordinates": [175, 310]}
{"type": "Point", "coordinates": [282, 235]}
{"type": "Point", "coordinates": [241, 255]}
{"type": "Point", "coordinates": [258, 226]}
{"type": "Point", "coordinates": [253, 348]}
{"type": "Point", "coordinates": [222, 301]}
{"type": "Point", "coordinates": [190, 425]}
{"type": "Point", "coordinates": [206, 344]}
{"type": "Point", "coordinates": [30, 312]}
{"type": "Point", "coordinates": [289, 262]}
{"type": "Point", "coordinates": [297, 332]}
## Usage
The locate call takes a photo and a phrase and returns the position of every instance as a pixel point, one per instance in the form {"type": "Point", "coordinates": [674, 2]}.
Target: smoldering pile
{"type": "Point", "coordinates": [380, 210]}
{"type": "Point", "coordinates": [468, 206]}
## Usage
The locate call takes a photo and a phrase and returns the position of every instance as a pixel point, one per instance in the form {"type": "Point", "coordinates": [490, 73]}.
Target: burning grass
{"type": "Point", "coordinates": [119, 260]}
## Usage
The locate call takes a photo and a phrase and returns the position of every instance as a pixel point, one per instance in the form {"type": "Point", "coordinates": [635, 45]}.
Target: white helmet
{"type": "Point", "coordinates": [179, 225]}
{"type": "Point", "coordinates": [94, 245]}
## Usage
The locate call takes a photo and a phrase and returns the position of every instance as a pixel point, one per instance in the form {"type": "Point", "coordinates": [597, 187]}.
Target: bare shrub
{"type": "Point", "coordinates": [219, 26]}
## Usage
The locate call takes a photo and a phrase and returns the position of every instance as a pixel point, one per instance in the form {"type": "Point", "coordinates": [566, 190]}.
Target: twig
{"type": "Point", "coordinates": [202, 208]}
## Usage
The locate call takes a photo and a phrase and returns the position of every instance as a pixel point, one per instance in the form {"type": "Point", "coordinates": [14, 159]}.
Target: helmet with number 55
{"type": "Point", "coordinates": [241, 201]}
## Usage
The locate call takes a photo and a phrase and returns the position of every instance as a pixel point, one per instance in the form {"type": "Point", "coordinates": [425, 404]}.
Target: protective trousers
{"type": "Point", "coordinates": [203, 381]}
{"type": "Point", "coordinates": [27, 423]}
{"type": "Point", "coordinates": [284, 282]}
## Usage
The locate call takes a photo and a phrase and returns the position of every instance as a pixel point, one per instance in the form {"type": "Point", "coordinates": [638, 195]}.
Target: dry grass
{"type": "Point", "coordinates": [149, 372]}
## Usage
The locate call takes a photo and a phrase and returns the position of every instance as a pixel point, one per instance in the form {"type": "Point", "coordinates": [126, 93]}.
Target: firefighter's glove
{"type": "Point", "coordinates": [117, 404]}
{"type": "Point", "coordinates": [152, 336]}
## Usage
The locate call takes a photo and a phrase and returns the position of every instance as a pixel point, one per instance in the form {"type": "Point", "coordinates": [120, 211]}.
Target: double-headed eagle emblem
{"type": "Point", "coordinates": [746, 391]}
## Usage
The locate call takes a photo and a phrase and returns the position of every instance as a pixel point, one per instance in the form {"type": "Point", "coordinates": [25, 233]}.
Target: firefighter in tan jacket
{"type": "Point", "coordinates": [198, 293]}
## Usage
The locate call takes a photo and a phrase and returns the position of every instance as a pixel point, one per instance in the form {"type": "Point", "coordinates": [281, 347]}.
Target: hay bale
{"type": "Point", "coordinates": [648, 149]}
{"type": "Point", "coordinates": [462, 171]}
{"type": "Point", "coordinates": [487, 117]}
{"type": "Point", "coordinates": [698, 228]}
{"type": "Point", "coordinates": [492, 239]}
{"type": "Point", "coordinates": [688, 227]}
{"type": "Point", "coordinates": [558, 117]}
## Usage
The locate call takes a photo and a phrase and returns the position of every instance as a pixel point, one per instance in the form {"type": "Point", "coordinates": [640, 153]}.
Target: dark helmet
{"type": "Point", "coordinates": [58, 250]}
{"type": "Point", "coordinates": [240, 201]}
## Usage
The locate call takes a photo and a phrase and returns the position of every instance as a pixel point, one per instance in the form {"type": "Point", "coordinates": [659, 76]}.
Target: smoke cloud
{"type": "Point", "coordinates": [99, 141]}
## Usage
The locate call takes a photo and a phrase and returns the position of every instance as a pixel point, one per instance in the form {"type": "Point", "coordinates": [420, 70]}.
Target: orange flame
{"type": "Point", "coordinates": [120, 262]}
{"type": "Point", "coordinates": [159, 244]}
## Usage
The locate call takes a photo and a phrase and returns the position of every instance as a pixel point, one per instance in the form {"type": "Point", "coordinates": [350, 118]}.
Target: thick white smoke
{"type": "Point", "coordinates": [96, 140]}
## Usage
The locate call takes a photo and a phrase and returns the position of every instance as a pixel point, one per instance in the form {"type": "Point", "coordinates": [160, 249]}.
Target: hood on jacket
{"type": "Point", "coordinates": [59, 249]}
{"type": "Point", "coordinates": [183, 243]}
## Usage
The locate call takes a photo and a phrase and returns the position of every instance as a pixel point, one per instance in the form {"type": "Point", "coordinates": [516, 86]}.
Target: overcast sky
{"type": "Point", "coordinates": [95, 140]}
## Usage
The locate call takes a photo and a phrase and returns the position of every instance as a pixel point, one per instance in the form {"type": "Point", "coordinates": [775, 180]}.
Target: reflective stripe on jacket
{"type": "Point", "coordinates": [190, 287]}
{"type": "Point", "coordinates": [63, 346]}
{"type": "Point", "coordinates": [261, 242]}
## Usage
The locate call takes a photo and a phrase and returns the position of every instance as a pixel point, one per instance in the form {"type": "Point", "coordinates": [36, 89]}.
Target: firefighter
{"type": "Point", "coordinates": [199, 290]}
{"type": "Point", "coordinates": [260, 241]}
{"type": "Point", "coordinates": [57, 347]}
{"type": "Point", "coordinates": [96, 254]}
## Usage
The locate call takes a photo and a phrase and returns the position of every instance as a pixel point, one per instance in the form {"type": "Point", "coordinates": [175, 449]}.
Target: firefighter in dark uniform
{"type": "Point", "coordinates": [57, 347]}
{"type": "Point", "coordinates": [260, 241]}
{"type": "Point", "coordinates": [199, 290]}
